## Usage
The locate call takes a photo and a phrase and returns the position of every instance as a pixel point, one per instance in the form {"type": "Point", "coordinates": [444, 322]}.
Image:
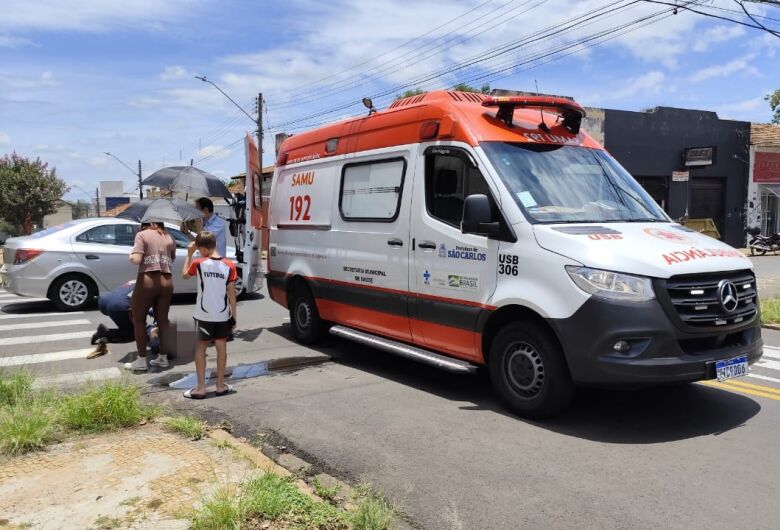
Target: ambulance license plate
{"type": "Point", "coordinates": [731, 368]}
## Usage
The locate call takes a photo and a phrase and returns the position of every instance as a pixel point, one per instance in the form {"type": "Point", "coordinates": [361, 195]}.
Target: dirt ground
{"type": "Point", "coordinates": [143, 478]}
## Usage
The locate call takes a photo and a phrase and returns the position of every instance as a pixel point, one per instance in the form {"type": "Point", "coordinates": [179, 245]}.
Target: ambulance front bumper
{"type": "Point", "coordinates": [660, 350]}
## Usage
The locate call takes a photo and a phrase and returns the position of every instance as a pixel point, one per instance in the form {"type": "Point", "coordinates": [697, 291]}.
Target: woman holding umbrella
{"type": "Point", "coordinates": [154, 251]}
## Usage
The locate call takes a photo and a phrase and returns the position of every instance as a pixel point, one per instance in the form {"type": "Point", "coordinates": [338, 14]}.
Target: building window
{"type": "Point", "coordinates": [371, 191]}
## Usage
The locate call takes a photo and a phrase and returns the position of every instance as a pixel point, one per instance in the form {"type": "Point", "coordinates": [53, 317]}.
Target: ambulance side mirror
{"type": "Point", "coordinates": [478, 217]}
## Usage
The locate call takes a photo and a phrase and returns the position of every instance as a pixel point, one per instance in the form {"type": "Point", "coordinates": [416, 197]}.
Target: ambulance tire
{"type": "Point", "coordinates": [529, 372]}
{"type": "Point", "coordinates": [307, 327]}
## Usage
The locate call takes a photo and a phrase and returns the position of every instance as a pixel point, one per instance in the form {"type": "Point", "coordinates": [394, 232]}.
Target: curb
{"type": "Point", "coordinates": [775, 327]}
{"type": "Point", "coordinates": [254, 455]}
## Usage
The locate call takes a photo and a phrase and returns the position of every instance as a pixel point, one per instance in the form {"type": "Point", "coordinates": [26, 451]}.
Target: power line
{"type": "Point", "coordinates": [405, 60]}
{"type": "Point", "coordinates": [400, 46]}
{"type": "Point", "coordinates": [562, 50]}
{"type": "Point", "coordinates": [704, 13]}
{"type": "Point", "coordinates": [550, 31]}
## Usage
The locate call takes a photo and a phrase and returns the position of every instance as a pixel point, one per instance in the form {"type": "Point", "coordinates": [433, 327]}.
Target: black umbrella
{"type": "Point", "coordinates": [161, 210]}
{"type": "Point", "coordinates": [189, 180]}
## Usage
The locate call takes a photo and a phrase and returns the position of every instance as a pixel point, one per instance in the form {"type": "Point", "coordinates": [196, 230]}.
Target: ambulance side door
{"type": "Point", "coordinates": [453, 274]}
{"type": "Point", "coordinates": [370, 245]}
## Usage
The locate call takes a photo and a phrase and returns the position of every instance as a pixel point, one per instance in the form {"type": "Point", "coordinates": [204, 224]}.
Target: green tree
{"type": "Point", "coordinates": [410, 93]}
{"type": "Point", "coordinates": [463, 87]}
{"type": "Point", "coordinates": [29, 190]}
{"type": "Point", "coordinates": [774, 104]}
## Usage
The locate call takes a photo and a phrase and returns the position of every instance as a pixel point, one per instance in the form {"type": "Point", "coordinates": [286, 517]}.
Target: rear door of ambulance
{"type": "Point", "coordinates": [370, 244]}
{"type": "Point", "coordinates": [453, 275]}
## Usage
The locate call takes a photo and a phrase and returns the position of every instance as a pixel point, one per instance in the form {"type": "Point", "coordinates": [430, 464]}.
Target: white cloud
{"type": "Point", "coordinates": [649, 83]}
{"type": "Point", "coordinates": [724, 70]}
{"type": "Point", "coordinates": [716, 34]}
{"type": "Point", "coordinates": [214, 152]}
{"type": "Point", "coordinates": [4, 138]}
{"type": "Point", "coordinates": [45, 80]}
{"type": "Point", "coordinates": [174, 72]}
{"type": "Point", "coordinates": [746, 105]}
{"type": "Point", "coordinates": [88, 15]}
{"type": "Point", "coordinates": [9, 41]}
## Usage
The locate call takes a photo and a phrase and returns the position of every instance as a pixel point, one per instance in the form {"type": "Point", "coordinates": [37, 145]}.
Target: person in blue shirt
{"type": "Point", "coordinates": [212, 223]}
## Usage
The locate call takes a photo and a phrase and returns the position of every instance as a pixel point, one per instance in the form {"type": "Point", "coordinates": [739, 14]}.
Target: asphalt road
{"type": "Point", "coordinates": [700, 456]}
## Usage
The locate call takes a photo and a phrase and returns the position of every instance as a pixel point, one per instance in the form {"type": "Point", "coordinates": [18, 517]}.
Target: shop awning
{"type": "Point", "coordinates": [773, 189]}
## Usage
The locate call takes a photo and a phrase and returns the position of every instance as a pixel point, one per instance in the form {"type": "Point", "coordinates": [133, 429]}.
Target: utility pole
{"type": "Point", "coordinates": [140, 186]}
{"type": "Point", "coordinates": [260, 133]}
{"type": "Point", "coordinates": [97, 201]}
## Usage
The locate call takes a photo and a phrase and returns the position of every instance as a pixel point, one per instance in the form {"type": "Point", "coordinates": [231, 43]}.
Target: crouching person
{"type": "Point", "coordinates": [215, 310]}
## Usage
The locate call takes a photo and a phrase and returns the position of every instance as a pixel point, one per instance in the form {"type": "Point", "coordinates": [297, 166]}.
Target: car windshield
{"type": "Point", "coordinates": [570, 184]}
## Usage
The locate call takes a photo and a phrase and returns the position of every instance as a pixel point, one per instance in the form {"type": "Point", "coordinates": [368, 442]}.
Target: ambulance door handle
{"type": "Point", "coordinates": [395, 242]}
{"type": "Point", "coordinates": [427, 245]}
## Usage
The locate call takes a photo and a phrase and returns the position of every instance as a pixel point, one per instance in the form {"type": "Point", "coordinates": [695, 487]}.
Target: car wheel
{"type": "Point", "coordinates": [72, 292]}
{"type": "Point", "coordinates": [529, 372]}
{"type": "Point", "coordinates": [307, 326]}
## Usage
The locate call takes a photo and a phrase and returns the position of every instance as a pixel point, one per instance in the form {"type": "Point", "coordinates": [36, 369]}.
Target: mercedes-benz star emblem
{"type": "Point", "coordinates": [727, 292]}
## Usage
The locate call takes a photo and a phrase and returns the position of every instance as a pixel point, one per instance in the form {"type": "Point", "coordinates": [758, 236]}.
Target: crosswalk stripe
{"type": "Point", "coordinates": [22, 300]}
{"type": "Point", "coordinates": [45, 325]}
{"type": "Point", "coordinates": [765, 378]}
{"type": "Point", "coordinates": [101, 374]}
{"type": "Point", "coordinates": [772, 365]}
{"type": "Point", "coordinates": [13, 316]}
{"type": "Point", "coordinates": [8, 295]}
{"type": "Point", "coordinates": [22, 360]}
{"type": "Point", "coordinates": [15, 341]}
{"type": "Point", "coordinates": [771, 354]}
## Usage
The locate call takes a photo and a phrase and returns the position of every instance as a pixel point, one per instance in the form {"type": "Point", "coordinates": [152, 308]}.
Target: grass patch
{"type": "Point", "coordinates": [187, 426]}
{"type": "Point", "coordinates": [104, 407]}
{"type": "Point", "coordinates": [31, 419]}
{"type": "Point", "coordinates": [770, 310]}
{"type": "Point", "coordinates": [271, 498]}
{"type": "Point", "coordinates": [27, 426]}
{"type": "Point", "coordinates": [373, 511]}
{"type": "Point", "coordinates": [14, 387]}
{"type": "Point", "coordinates": [222, 512]}
{"type": "Point", "coordinates": [329, 494]}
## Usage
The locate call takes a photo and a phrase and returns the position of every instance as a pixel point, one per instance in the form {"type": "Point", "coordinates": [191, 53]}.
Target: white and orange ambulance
{"type": "Point", "coordinates": [466, 230]}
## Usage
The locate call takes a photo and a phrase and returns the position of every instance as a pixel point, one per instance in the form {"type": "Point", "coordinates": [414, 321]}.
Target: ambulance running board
{"type": "Point", "coordinates": [404, 350]}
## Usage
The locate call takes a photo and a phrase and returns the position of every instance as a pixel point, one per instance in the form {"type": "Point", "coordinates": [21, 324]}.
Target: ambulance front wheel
{"type": "Point", "coordinates": [529, 372]}
{"type": "Point", "coordinates": [307, 326]}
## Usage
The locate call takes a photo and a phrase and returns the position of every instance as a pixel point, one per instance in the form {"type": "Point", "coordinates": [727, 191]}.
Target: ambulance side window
{"type": "Point", "coordinates": [449, 179]}
{"type": "Point", "coordinates": [371, 191]}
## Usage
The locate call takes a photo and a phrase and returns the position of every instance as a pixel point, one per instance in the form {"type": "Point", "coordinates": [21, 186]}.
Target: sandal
{"type": "Point", "coordinates": [189, 394]}
{"type": "Point", "coordinates": [228, 390]}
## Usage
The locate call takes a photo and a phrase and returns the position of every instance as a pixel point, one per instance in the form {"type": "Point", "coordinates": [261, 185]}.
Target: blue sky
{"type": "Point", "coordinates": [82, 77]}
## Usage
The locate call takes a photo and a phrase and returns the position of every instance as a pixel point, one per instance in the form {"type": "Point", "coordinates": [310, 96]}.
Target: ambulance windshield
{"type": "Point", "coordinates": [570, 184]}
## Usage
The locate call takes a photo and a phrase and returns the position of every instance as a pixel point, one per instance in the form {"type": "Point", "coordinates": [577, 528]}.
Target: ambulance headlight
{"type": "Point", "coordinates": [612, 285]}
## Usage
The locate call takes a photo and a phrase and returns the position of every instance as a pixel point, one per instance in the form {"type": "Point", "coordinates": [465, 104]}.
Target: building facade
{"type": "Point", "coordinates": [763, 205]}
{"type": "Point", "coordinates": [694, 164]}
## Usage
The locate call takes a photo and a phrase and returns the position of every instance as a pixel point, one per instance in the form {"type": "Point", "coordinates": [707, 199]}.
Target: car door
{"type": "Point", "coordinates": [104, 249]}
{"type": "Point", "coordinates": [453, 274]}
{"type": "Point", "coordinates": [370, 246]}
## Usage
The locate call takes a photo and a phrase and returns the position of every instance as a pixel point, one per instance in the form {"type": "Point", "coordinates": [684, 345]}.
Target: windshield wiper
{"type": "Point", "coordinates": [643, 220]}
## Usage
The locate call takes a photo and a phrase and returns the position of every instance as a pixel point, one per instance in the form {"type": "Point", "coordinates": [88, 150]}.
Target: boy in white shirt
{"type": "Point", "coordinates": [215, 310]}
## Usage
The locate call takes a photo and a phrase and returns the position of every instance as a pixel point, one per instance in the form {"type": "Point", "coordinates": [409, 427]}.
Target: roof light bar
{"type": "Point", "coordinates": [570, 111]}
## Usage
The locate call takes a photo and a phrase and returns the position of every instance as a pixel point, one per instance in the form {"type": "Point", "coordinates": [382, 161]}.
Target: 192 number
{"type": "Point", "coordinates": [299, 208]}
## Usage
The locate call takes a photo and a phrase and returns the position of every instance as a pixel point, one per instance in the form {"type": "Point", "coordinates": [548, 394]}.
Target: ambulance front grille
{"type": "Point", "coordinates": [698, 302]}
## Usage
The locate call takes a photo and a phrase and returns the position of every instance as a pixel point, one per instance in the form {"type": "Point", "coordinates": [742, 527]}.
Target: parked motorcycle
{"type": "Point", "coordinates": [760, 244]}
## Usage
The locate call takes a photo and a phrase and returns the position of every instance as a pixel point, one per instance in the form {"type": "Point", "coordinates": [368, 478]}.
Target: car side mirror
{"type": "Point", "coordinates": [478, 217]}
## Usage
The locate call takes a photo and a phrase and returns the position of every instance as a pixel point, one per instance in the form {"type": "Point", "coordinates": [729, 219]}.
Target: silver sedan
{"type": "Point", "coordinates": [73, 263]}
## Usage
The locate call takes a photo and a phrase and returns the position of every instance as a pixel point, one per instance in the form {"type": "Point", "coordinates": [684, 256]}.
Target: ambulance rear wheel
{"type": "Point", "coordinates": [307, 326]}
{"type": "Point", "coordinates": [529, 372]}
